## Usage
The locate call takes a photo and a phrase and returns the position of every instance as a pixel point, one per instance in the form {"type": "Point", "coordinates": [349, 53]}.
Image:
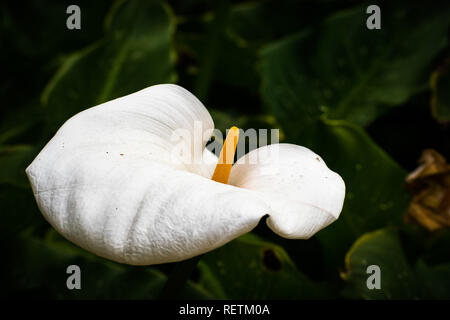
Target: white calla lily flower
{"type": "Point", "coordinates": [107, 181]}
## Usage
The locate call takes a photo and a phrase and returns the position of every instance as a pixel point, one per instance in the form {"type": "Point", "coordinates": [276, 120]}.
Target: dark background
{"type": "Point", "coordinates": [368, 101]}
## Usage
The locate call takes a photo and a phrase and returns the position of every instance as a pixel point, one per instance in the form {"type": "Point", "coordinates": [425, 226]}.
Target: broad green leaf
{"type": "Point", "coordinates": [440, 89]}
{"type": "Point", "coordinates": [135, 53]}
{"type": "Point", "coordinates": [230, 81]}
{"type": "Point", "coordinates": [257, 22]}
{"type": "Point", "coordinates": [217, 60]}
{"type": "Point", "coordinates": [32, 45]}
{"type": "Point", "coordinates": [346, 71]}
{"type": "Point", "coordinates": [399, 280]}
{"type": "Point", "coordinates": [38, 268]}
{"type": "Point", "coordinates": [248, 268]}
{"type": "Point", "coordinates": [28, 37]}
{"type": "Point", "coordinates": [374, 182]}
{"type": "Point", "coordinates": [375, 193]}
{"type": "Point", "coordinates": [236, 66]}
{"type": "Point", "coordinates": [381, 248]}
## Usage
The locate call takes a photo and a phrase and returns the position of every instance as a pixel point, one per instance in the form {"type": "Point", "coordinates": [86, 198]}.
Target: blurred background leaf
{"type": "Point", "coordinates": [38, 269]}
{"type": "Point", "coordinates": [346, 71]}
{"type": "Point", "coordinates": [375, 194]}
{"type": "Point", "coordinates": [248, 268]}
{"type": "Point", "coordinates": [399, 280]}
{"type": "Point", "coordinates": [135, 53]}
{"type": "Point", "coordinates": [381, 248]}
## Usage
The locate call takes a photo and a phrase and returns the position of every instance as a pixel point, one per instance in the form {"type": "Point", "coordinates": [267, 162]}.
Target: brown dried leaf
{"type": "Point", "coordinates": [429, 185]}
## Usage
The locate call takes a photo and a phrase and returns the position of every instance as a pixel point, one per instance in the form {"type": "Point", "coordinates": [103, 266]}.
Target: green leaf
{"type": "Point", "coordinates": [398, 279]}
{"type": "Point", "coordinates": [248, 20]}
{"type": "Point", "coordinates": [346, 71]}
{"type": "Point", "coordinates": [296, 70]}
{"type": "Point", "coordinates": [37, 267]}
{"type": "Point", "coordinates": [440, 89]}
{"type": "Point", "coordinates": [135, 53]}
{"type": "Point", "coordinates": [236, 66]}
{"type": "Point", "coordinates": [218, 59]}
{"type": "Point", "coordinates": [381, 248]}
{"type": "Point", "coordinates": [375, 193]}
{"type": "Point", "coordinates": [30, 42]}
{"type": "Point", "coordinates": [248, 268]}
{"type": "Point", "coordinates": [32, 46]}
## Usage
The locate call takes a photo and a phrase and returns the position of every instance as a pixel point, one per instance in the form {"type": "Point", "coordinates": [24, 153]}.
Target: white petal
{"type": "Point", "coordinates": [107, 182]}
{"type": "Point", "coordinates": [303, 193]}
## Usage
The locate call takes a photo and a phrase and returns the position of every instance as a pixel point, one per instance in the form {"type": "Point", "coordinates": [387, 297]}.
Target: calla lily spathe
{"type": "Point", "coordinates": [106, 181]}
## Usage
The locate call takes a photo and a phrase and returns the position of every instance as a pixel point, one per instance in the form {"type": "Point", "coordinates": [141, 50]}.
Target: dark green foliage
{"type": "Point", "coordinates": [367, 101]}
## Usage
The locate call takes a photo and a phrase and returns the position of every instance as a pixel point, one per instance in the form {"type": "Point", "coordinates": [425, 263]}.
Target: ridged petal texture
{"type": "Point", "coordinates": [109, 182]}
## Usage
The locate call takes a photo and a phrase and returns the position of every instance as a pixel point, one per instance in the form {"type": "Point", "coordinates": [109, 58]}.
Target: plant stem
{"type": "Point", "coordinates": [178, 278]}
